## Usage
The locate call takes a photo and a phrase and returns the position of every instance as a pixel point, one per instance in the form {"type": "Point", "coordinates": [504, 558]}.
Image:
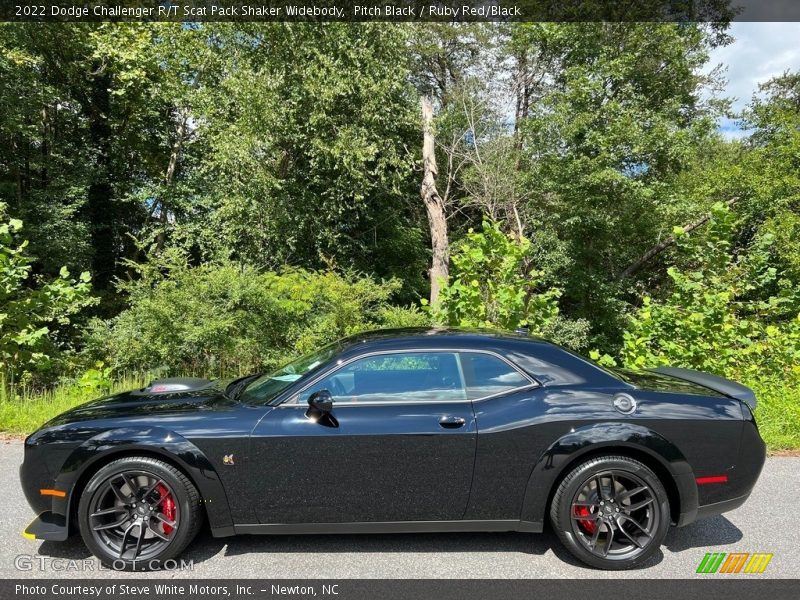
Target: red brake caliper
{"type": "Point", "coordinates": [167, 506]}
{"type": "Point", "coordinates": [589, 524]}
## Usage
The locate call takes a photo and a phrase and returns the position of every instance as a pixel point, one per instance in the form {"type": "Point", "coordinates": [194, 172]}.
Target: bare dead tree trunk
{"type": "Point", "coordinates": [520, 232]}
{"type": "Point", "coordinates": [434, 204]}
{"type": "Point", "coordinates": [666, 243]}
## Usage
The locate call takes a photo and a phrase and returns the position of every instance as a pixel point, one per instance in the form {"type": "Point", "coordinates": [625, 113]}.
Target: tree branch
{"type": "Point", "coordinates": [635, 266]}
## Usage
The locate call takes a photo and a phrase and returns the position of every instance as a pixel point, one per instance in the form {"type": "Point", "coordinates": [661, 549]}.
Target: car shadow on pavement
{"type": "Point", "coordinates": [382, 543]}
{"type": "Point", "coordinates": [710, 532]}
{"type": "Point", "coordinates": [715, 531]}
{"type": "Point", "coordinates": [204, 547]}
{"type": "Point", "coordinates": [72, 549]}
{"type": "Point", "coordinates": [525, 543]}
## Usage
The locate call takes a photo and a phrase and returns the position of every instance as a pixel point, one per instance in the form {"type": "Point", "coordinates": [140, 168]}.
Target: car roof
{"type": "Point", "coordinates": [430, 337]}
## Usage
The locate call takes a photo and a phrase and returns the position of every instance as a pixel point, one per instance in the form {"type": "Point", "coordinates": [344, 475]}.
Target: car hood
{"type": "Point", "coordinates": [137, 403]}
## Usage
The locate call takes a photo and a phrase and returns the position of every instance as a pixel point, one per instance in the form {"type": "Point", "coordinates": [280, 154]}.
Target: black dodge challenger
{"type": "Point", "coordinates": [400, 431]}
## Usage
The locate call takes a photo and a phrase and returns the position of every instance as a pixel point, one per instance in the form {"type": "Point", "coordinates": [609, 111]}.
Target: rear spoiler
{"type": "Point", "coordinates": [712, 382]}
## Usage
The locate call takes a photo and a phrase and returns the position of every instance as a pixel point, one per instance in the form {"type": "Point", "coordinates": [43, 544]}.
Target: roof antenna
{"type": "Point", "coordinates": [522, 331]}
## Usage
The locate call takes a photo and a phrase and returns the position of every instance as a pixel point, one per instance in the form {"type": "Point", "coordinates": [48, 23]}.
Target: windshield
{"type": "Point", "coordinates": [266, 387]}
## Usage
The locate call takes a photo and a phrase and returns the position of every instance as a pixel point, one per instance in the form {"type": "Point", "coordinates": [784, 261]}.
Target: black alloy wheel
{"type": "Point", "coordinates": [138, 512]}
{"type": "Point", "coordinates": [611, 512]}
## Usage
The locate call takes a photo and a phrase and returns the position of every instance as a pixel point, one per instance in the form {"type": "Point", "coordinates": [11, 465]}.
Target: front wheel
{"type": "Point", "coordinates": [611, 512]}
{"type": "Point", "coordinates": [138, 512]}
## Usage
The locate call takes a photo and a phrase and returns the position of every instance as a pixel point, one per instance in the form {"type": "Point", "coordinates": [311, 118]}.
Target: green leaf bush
{"type": "Point", "coordinates": [729, 312]}
{"type": "Point", "coordinates": [34, 312]}
{"type": "Point", "coordinates": [227, 319]}
{"type": "Point", "coordinates": [494, 284]}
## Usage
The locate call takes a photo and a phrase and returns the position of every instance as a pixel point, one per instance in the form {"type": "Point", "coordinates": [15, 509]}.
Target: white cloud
{"type": "Point", "coordinates": [759, 52]}
{"type": "Point", "coordinates": [729, 128]}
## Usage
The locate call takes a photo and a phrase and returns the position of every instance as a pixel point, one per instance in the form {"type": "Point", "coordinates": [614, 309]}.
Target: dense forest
{"type": "Point", "coordinates": [214, 199]}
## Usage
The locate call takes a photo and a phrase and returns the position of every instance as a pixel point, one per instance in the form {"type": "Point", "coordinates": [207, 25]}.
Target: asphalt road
{"type": "Point", "coordinates": [768, 522]}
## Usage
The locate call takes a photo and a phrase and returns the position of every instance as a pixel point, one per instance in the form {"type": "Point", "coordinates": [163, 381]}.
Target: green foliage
{"type": "Point", "coordinates": [83, 111]}
{"type": "Point", "coordinates": [614, 122]}
{"type": "Point", "coordinates": [309, 132]}
{"type": "Point", "coordinates": [31, 316]}
{"type": "Point", "coordinates": [97, 379]}
{"type": "Point", "coordinates": [778, 411]}
{"type": "Point", "coordinates": [771, 168]}
{"type": "Point", "coordinates": [227, 319]}
{"type": "Point", "coordinates": [24, 409]}
{"type": "Point", "coordinates": [761, 172]}
{"type": "Point", "coordinates": [284, 158]}
{"type": "Point", "coordinates": [730, 314]}
{"type": "Point", "coordinates": [494, 285]}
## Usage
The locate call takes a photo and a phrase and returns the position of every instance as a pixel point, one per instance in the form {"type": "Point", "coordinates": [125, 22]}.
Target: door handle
{"type": "Point", "coordinates": [451, 422]}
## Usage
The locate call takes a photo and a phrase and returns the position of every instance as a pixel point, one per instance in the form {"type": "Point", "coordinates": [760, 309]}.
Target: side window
{"type": "Point", "coordinates": [487, 375]}
{"type": "Point", "coordinates": [396, 377]}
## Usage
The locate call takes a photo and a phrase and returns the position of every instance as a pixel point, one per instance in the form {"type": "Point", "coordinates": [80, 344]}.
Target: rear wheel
{"type": "Point", "coordinates": [138, 512]}
{"type": "Point", "coordinates": [611, 512]}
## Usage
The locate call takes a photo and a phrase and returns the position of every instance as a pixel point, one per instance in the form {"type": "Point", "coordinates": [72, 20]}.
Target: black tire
{"type": "Point", "coordinates": [119, 490]}
{"type": "Point", "coordinates": [611, 512]}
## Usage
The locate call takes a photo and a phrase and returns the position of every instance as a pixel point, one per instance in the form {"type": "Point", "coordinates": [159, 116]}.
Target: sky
{"type": "Point", "coordinates": [760, 51]}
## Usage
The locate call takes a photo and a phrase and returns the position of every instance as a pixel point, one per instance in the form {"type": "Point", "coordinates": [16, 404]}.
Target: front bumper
{"type": "Point", "coordinates": [34, 477]}
{"type": "Point", "coordinates": [47, 497]}
{"type": "Point", "coordinates": [47, 526]}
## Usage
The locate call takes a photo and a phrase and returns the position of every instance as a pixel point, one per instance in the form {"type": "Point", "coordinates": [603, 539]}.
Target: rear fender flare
{"type": "Point", "coordinates": [152, 441]}
{"type": "Point", "coordinates": [551, 466]}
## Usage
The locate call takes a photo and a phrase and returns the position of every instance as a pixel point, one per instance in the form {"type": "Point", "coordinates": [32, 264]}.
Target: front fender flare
{"type": "Point", "coordinates": [551, 466]}
{"type": "Point", "coordinates": [153, 441]}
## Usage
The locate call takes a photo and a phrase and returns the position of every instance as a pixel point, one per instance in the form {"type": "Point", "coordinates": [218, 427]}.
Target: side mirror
{"type": "Point", "coordinates": [321, 400]}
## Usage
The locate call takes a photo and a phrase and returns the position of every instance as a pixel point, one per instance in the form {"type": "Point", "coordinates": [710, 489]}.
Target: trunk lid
{"type": "Point", "coordinates": [716, 383]}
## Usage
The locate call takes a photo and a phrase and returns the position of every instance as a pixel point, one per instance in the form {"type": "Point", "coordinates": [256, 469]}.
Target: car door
{"type": "Point", "coordinates": [398, 445]}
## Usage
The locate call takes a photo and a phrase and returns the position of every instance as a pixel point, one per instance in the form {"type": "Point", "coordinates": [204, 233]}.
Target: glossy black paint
{"type": "Point", "coordinates": [394, 467]}
{"type": "Point", "coordinates": [379, 463]}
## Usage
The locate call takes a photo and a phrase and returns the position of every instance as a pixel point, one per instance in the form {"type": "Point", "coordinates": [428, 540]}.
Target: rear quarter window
{"type": "Point", "coordinates": [487, 375]}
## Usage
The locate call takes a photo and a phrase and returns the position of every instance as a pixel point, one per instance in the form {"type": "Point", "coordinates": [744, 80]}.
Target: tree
{"type": "Point", "coordinates": [728, 310]}
{"type": "Point", "coordinates": [434, 205]}
{"type": "Point", "coordinates": [446, 60]}
{"type": "Point", "coordinates": [758, 172]}
{"type": "Point", "coordinates": [308, 140]}
{"type": "Point", "coordinates": [770, 169]}
{"type": "Point", "coordinates": [88, 135]}
{"type": "Point", "coordinates": [495, 285]}
{"type": "Point", "coordinates": [615, 124]}
{"type": "Point", "coordinates": [30, 316]}
{"type": "Point", "coordinates": [483, 158]}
